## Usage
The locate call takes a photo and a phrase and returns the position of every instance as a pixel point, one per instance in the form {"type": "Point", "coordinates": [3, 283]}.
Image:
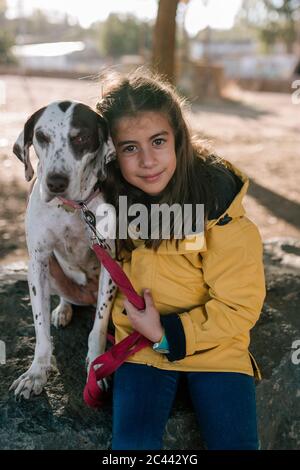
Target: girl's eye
{"type": "Point", "coordinates": [42, 138]}
{"type": "Point", "coordinates": [129, 148]}
{"type": "Point", "coordinates": [159, 142]}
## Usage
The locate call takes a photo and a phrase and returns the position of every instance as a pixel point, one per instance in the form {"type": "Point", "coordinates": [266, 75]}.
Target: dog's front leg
{"type": "Point", "coordinates": [97, 336]}
{"type": "Point", "coordinates": [33, 381]}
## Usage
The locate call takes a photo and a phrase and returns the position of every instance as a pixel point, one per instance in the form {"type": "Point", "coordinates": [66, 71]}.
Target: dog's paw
{"type": "Point", "coordinates": [96, 347]}
{"type": "Point", "coordinates": [31, 382]}
{"type": "Point", "coordinates": [91, 356]}
{"type": "Point", "coordinates": [105, 383]}
{"type": "Point", "coordinates": [62, 315]}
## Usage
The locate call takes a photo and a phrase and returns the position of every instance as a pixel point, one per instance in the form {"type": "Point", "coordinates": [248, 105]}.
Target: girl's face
{"type": "Point", "coordinates": [145, 147]}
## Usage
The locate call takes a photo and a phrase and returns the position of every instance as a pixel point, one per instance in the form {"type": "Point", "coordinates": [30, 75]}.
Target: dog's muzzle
{"type": "Point", "coordinates": [57, 183]}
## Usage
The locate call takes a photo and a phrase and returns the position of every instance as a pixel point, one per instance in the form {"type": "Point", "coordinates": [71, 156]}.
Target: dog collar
{"type": "Point", "coordinates": [72, 206]}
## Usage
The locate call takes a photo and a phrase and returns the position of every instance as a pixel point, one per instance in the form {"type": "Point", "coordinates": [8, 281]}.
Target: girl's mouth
{"type": "Point", "coordinates": [152, 178]}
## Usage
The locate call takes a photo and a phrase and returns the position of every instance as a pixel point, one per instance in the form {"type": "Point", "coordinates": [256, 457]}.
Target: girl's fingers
{"type": "Point", "coordinates": [130, 309]}
{"type": "Point", "coordinates": [148, 298]}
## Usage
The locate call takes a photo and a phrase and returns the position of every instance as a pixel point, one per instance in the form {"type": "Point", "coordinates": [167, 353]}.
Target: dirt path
{"type": "Point", "coordinates": [258, 132]}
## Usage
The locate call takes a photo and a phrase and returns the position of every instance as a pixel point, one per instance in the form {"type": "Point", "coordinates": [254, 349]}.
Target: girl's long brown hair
{"type": "Point", "coordinates": [140, 91]}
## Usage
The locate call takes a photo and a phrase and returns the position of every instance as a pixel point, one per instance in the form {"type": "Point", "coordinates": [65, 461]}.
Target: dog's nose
{"type": "Point", "coordinates": [57, 183]}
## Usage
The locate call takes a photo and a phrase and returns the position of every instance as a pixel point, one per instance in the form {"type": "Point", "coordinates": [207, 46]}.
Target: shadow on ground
{"type": "Point", "coordinates": [13, 198]}
{"type": "Point", "coordinates": [59, 419]}
{"type": "Point", "coordinates": [280, 206]}
{"type": "Point", "coordinates": [229, 106]}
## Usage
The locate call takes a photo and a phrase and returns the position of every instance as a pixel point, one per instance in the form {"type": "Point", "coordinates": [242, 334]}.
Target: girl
{"type": "Point", "coordinates": [203, 293]}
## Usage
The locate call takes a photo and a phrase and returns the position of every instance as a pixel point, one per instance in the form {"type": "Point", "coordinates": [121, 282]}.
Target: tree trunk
{"type": "Point", "coordinates": [163, 54]}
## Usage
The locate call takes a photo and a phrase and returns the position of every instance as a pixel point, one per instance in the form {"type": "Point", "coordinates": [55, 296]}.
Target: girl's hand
{"type": "Point", "coordinates": [147, 322]}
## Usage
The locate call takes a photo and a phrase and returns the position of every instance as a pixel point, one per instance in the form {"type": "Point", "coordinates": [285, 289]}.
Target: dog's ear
{"type": "Point", "coordinates": [24, 141]}
{"type": "Point", "coordinates": [108, 151]}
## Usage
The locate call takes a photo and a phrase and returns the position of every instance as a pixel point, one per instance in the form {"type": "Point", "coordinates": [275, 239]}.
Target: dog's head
{"type": "Point", "coordinates": [72, 144]}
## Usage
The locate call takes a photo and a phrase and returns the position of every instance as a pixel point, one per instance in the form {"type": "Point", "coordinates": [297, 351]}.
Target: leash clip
{"type": "Point", "coordinates": [90, 220]}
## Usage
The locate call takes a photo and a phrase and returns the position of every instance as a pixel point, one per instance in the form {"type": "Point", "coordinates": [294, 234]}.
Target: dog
{"type": "Point", "coordinates": [73, 146]}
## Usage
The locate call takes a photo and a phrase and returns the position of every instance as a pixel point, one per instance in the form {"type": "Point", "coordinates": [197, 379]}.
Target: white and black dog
{"type": "Point", "coordinates": [72, 144]}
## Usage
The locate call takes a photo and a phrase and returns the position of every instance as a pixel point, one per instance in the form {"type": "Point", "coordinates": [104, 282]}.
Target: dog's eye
{"type": "Point", "coordinates": [42, 138]}
{"type": "Point", "coordinates": [81, 139]}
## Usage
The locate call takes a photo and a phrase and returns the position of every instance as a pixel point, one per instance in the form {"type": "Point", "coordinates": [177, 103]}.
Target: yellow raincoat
{"type": "Point", "coordinates": [214, 283]}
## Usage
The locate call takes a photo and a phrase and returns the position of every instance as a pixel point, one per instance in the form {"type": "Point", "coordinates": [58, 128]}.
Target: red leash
{"type": "Point", "coordinates": [93, 395]}
{"type": "Point", "coordinates": [109, 361]}
{"type": "Point", "coordinates": [119, 277]}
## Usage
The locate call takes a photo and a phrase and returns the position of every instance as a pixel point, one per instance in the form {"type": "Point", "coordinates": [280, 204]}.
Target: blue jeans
{"type": "Point", "coordinates": [143, 396]}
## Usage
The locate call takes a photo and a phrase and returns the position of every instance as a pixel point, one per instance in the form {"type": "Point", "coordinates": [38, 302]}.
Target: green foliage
{"type": "Point", "coordinates": [2, 7]}
{"type": "Point", "coordinates": [123, 34]}
{"type": "Point", "coordinates": [6, 37]}
{"type": "Point", "coordinates": [41, 27]}
{"type": "Point", "coordinates": [283, 15]}
{"type": "Point", "coordinates": [6, 42]}
{"type": "Point", "coordinates": [119, 35]}
{"type": "Point", "coordinates": [274, 20]}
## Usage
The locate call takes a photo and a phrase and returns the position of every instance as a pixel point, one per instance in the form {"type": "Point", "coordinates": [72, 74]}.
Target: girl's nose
{"type": "Point", "coordinates": [147, 158]}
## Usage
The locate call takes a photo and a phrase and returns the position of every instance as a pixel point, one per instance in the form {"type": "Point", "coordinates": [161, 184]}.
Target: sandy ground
{"type": "Point", "coordinates": [258, 132]}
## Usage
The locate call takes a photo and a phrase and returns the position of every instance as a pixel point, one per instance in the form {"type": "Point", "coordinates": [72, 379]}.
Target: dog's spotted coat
{"type": "Point", "coordinates": [72, 145]}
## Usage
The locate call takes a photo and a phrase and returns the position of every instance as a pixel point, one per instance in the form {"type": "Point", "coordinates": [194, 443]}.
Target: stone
{"type": "Point", "coordinates": [59, 419]}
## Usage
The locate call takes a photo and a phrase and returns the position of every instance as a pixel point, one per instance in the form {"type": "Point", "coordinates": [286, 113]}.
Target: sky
{"type": "Point", "coordinates": [218, 14]}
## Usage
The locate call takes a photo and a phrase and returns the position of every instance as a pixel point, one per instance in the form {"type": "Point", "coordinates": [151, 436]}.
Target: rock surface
{"type": "Point", "coordinates": [59, 419]}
